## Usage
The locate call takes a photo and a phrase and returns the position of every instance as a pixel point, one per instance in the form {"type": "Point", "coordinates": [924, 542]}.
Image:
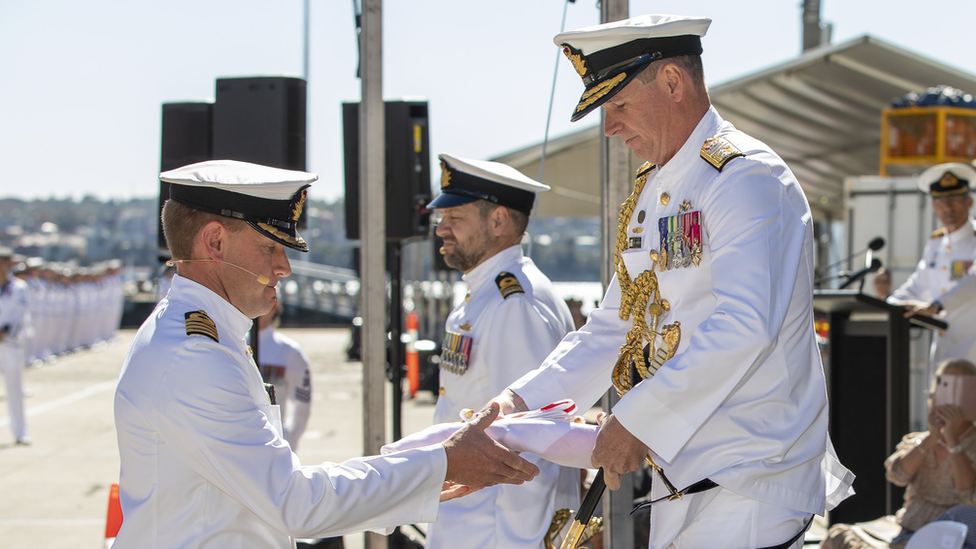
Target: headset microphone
{"type": "Point", "coordinates": [263, 280]}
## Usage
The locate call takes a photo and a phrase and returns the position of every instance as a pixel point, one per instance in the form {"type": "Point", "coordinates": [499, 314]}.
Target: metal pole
{"type": "Point", "coordinates": [372, 233]}
{"type": "Point", "coordinates": [395, 264]}
{"type": "Point", "coordinates": [616, 185]}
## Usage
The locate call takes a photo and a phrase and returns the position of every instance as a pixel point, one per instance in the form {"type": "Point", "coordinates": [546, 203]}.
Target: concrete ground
{"type": "Point", "coordinates": [54, 493]}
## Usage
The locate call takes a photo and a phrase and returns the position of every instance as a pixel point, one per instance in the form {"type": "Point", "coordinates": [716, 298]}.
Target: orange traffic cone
{"type": "Point", "coordinates": [114, 520]}
{"type": "Point", "coordinates": [413, 358]}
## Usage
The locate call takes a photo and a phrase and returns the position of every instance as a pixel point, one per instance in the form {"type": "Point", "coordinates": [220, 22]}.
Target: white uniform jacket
{"type": "Point", "coordinates": [743, 402]}
{"type": "Point", "coordinates": [202, 464]}
{"type": "Point", "coordinates": [14, 310]}
{"type": "Point", "coordinates": [506, 337]}
{"type": "Point", "coordinates": [945, 262]}
{"type": "Point", "coordinates": [284, 365]}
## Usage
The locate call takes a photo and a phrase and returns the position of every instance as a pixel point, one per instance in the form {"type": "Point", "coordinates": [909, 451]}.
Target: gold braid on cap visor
{"type": "Point", "coordinates": [594, 94]}
{"type": "Point", "coordinates": [284, 236]}
{"type": "Point", "coordinates": [940, 194]}
{"type": "Point", "coordinates": [640, 298]}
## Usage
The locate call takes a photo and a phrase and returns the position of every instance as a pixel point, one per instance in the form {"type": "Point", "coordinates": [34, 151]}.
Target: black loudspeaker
{"type": "Point", "coordinates": [261, 120]}
{"type": "Point", "coordinates": [407, 169]}
{"type": "Point", "coordinates": [185, 139]}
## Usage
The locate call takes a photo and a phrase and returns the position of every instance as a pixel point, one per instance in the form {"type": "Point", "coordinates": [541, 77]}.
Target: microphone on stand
{"type": "Point", "coordinates": [859, 275]}
{"type": "Point", "coordinates": [876, 244]}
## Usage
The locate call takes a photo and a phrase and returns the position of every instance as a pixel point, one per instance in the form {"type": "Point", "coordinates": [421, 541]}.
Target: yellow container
{"type": "Point", "coordinates": [919, 137]}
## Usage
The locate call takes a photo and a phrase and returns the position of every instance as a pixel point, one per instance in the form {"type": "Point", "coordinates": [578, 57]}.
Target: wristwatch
{"type": "Point", "coordinates": [956, 449]}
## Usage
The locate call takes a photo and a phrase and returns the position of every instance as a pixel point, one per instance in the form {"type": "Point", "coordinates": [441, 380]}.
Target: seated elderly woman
{"type": "Point", "coordinates": [937, 466]}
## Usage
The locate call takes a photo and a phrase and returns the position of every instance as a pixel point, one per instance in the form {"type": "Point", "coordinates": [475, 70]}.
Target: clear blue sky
{"type": "Point", "coordinates": [83, 81]}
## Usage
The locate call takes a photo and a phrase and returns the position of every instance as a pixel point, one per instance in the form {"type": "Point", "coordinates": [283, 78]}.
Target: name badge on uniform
{"type": "Point", "coordinates": [681, 244]}
{"type": "Point", "coordinates": [455, 353]}
{"type": "Point", "coordinates": [959, 269]}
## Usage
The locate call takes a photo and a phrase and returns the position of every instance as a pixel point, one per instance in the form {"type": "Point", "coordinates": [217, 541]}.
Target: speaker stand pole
{"type": "Point", "coordinates": [394, 262]}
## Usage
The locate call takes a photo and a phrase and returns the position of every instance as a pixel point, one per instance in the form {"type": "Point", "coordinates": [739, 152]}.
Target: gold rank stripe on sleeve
{"type": "Point", "coordinates": [508, 285]}
{"type": "Point", "coordinates": [719, 151]}
{"type": "Point", "coordinates": [198, 323]}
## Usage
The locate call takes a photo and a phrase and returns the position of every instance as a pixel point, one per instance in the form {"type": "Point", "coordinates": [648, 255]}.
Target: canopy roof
{"type": "Point", "coordinates": [821, 112]}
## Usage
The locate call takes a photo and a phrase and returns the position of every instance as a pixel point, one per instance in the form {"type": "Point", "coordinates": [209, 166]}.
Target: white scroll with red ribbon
{"type": "Point", "coordinates": [552, 432]}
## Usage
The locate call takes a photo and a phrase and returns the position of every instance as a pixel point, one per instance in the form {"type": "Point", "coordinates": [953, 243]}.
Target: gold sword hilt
{"type": "Point", "coordinates": [578, 527]}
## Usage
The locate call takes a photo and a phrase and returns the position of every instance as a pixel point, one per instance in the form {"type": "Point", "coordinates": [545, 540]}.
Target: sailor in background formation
{"type": "Point", "coordinates": [70, 308]}
{"type": "Point", "coordinates": [14, 319]}
{"type": "Point", "coordinates": [945, 262]}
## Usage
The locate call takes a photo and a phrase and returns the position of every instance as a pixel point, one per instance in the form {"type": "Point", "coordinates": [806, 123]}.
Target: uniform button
{"type": "Point", "coordinates": [665, 198]}
{"type": "Point", "coordinates": [441, 391]}
{"type": "Point", "coordinates": [640, 216]}
{"type": "Point", "coordinates": [948, 248]}
{"type": "Point", "coordinates": [944, 269]}
{"type": "Point", "coordinates": [943, 290]}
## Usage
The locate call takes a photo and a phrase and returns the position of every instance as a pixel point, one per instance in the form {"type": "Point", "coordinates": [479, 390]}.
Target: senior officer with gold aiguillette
{"type": "Point", "coordinates": [945, 262]}
{"type": "Point", "coordinates": [714, 282]}
{"type": "Point", "coordinates": [204, 464]}
{"type": "Point", "coordinates": [508, 323]}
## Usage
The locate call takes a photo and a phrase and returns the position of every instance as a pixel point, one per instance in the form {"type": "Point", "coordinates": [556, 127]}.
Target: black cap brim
{"type": "Point", "coordinates": [450, 200]}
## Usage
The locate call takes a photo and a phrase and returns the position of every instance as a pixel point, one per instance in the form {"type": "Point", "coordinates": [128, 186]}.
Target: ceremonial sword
{"type": "Point", "coordinates": [586, 509]}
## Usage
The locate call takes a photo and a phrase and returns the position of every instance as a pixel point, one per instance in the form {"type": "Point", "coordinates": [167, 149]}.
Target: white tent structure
{"type": "Point", "coordinates": [821, 112]}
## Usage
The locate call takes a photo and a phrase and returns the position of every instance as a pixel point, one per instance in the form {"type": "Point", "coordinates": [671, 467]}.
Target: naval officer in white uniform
{"type": "Point", "coordinates": [203, 463]}
{"type": "Point", "coordinates": [712, 301]}
{"type": "Point", "coordinates": [510, 320]}
{"type": "Point", "coordinates": [14, 322]}
{"type": "Point", "coordinates": [945, 262]}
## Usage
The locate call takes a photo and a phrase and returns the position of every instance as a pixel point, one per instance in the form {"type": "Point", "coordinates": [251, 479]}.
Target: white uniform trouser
{"type": "Point", "coordinates": [12, 364]}
{"type": "Point", "coordinates": [721, 519]}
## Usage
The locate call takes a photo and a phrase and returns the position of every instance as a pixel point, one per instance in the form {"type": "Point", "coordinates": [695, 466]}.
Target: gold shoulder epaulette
{"type": "Point", "coordinates": [938, 233]}
{"type": "Point", "coordinates": [645, 167]}
{"type": "Point", "coordinates": [508, 284]}
{"type": "Point", "coordinates": [198, 323]}
{"type": "Point", "coordinates": [718, 151]}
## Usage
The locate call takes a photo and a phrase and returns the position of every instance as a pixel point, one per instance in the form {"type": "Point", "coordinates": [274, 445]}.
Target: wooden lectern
{"type": "Point", "coordinates": [867, 371]}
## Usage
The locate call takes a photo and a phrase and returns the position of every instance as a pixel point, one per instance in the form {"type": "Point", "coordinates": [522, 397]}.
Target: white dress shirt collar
{"type": "Point", "coordinates": [965, 231]}
{"type": "Point", "coordinates": [490, 268]}
{"type": "Point", "coordinates": [672, 172]}
{"type": "Point", "coordinates": [226, 316]}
